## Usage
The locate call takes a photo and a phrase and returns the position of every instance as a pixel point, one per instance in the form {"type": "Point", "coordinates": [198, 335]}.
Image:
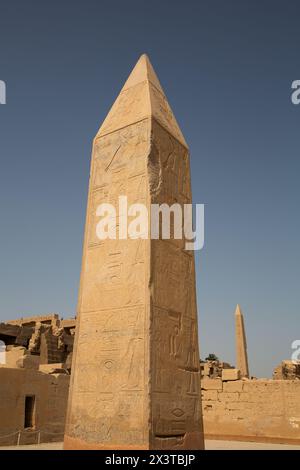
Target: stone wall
{"type": "Point", "coordinates": [50, 392]}
{"type": "Point", "coordinates": [255, 410]}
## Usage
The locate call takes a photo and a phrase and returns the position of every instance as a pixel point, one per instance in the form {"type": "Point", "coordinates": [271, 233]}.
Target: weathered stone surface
{"type": "Point", "coordinates": [20, 380]}
{"type": "Point", "coordinates": [135, 372]}
{"type": "Point", "coordinates": [141, 97]}
{"type": "Point", "coordinates": [68, 323]}
{"type": "Point", "coordinates": [13, 354]}
{"type": "Point", "coordinates": [213, 369]}
{"type": "Point", "coordinates": [47, 341]}
{"type": "Point", "coordinates": [258, 410]}
{"type": "Point", "coordinates": [50, 319]}
{"type": "Point", "coordinates": [287, 370]}
{"type": "Point", "coordinates": [211, 384]}
{"type": "Point", "coordinates": [48, 415]}
{"type": "Point", "coordinates": [35, 340]}
{"type": "Point", "coordinates": [15, 334]}
{"type": "Point", "coordinates": [241, 344]}
{"type": "Point", "coordinates": [50, 352]}
{"type": "Point", "coordinates": [28, 361]}
{"type": "Point", "coordinates": [230, 374]}
{"type": "Point", "coordinates": [209, 395]}
{"type": "Point", "coordinates": [228, 396]}
{"type": "Point", "coordinates": [7, 329]}
{"type": "Point", "coordinates": [235, 386]}
{"type": "Point", "coordinates": [52, 368]}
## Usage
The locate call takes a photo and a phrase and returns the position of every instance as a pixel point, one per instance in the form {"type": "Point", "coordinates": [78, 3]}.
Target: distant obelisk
{"type": "Point", "coordinates": [135, 380]}
{"type": "Point", "coordinates": [241, 344]}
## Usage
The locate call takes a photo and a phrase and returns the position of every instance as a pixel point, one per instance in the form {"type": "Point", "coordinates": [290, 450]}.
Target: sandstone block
{"type": "Point", "coordinates": [29, 361]}
{"type": "Point", "coordinates": [211, 384]}
{"type": "Point", "coordinates": [209, 394]}
{"type": "Point", "coordinates": [230, 374]}
{"type": "Point", "coordinates": [228, 396]}
{"type": "Point", "coordinates": [51, 368]}
{"type": "Point", "coordinates": [233, 386]}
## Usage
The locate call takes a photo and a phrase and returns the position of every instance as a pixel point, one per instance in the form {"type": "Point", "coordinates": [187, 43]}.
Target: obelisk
{"type": "Point", "coordinates": [135, 381]}
{"type": "Point", "coordinates": [241, 344]}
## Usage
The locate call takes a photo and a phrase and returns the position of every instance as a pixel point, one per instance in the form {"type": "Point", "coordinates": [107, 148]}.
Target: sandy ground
{"type": "Point", "coordinates": [210, 445]}
{"type": "Point", "coordinates": [236, 445]}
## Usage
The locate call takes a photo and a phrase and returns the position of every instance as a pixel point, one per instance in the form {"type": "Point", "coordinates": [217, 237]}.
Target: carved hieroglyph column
{"type": "Point", "coordinates": [241, 344]}
{"type": "Point", "coordinates": [135, 380]}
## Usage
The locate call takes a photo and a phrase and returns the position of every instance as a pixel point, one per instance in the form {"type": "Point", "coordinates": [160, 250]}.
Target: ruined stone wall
{"type": "Point", "coordinates": [255, 410]}
{"type": "Point", "coordinates": [50, 391]}
{"type": "Point", "coordinates": [50, 319]}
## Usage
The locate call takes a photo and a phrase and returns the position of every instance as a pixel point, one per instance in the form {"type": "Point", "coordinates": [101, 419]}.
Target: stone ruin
{"type": "Point", "coordinates": [38, 353]}
{"type": "Point", "coordinates": [35, 366]}
{"type": "Point", "coordinates": [238, 407]}
{"type": "Point", "coordinates": [36, 342]}
{"type": "Point", "coordinates": [136, 373]}
{"type": "Point", "coordinates": [287, 370]}
{"type": "Point", "coordinates": [213, 369]}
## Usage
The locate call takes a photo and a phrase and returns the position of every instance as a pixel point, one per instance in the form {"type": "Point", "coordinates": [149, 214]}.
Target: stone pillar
{"type": "Point", "coordinates": [135, 380]}
{"type": "Point", "coordinates": [241, 344]}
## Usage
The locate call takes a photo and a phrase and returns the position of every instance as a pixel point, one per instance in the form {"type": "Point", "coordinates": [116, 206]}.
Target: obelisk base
{"type": "Point", "coordinates": [191, 441]}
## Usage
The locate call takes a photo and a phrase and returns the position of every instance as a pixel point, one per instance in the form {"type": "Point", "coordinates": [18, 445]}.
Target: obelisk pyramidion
{"type": "Point", "coordinates": [135, 380]}
{"type": "Point", "coordinates": [241, 343]}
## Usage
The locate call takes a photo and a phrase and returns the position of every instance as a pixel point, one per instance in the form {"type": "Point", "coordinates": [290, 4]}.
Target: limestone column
{"type": "Point", "coordinates": [241, 344]}
{"type": "Point", "coordinates": [135, 380]}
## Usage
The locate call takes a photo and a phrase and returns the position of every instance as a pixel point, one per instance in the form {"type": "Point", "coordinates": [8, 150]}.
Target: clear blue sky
{"type": "Point", "coordinates": [227, 68]}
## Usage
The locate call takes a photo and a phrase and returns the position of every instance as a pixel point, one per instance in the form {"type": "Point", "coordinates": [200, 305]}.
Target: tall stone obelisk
{"type": "Point", "coordinates": [135, 380]}
{"type": "Point", "coordinates": [241, 344]}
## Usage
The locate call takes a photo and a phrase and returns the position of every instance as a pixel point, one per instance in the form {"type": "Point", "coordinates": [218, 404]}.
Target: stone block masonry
{"type": "Point", "coordinates": [211, 384]}
{"type": "Point", "coordinates": [230, 374]}
{"type": "Point", "coordinates": [252, 410]}
{"type": "Point", "coordinates": [32, 406]}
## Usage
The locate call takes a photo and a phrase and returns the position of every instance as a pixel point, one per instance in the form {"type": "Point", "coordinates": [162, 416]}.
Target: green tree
{"type": "Point", "coordinates": [212, 357]}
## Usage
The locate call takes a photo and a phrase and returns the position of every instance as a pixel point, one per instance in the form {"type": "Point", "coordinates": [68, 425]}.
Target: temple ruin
{"type": "Point", "coordinates": [35, 371]}
{"type": "Point", "coordinates": [136, 380]}
{"type": "Point", "coordinates": [34, 393]}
